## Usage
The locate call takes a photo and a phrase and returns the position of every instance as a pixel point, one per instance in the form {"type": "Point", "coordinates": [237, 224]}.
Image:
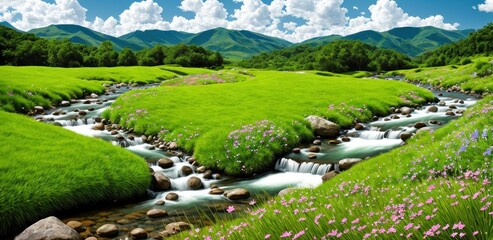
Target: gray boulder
{"type": "Point", "coordinates": [347, 163]}
{"type": "Point", "coordinates": [323, 127]}
{"type": "Point", "coordinates": [50, 228]}
{"type": "Point", "coordinates": [237, 194]}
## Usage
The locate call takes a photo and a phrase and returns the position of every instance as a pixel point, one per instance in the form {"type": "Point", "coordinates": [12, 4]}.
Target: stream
{"type": "Point", "coordinates": [303, 169]}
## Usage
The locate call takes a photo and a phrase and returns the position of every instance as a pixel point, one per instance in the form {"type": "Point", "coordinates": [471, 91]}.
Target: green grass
{"type": "Point", "coordinates": [438, 185]}
{"type": "Point", "coordinates": [449, 76]}
{"type": "Point", "coordinates": [22, 88]}
{"type": "Point", "coordinates": [45, 169]}
{"type": "Point", "coordinates": [206, 120]}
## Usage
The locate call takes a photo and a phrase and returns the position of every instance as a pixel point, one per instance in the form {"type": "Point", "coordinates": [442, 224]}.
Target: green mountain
{"type": "Point", "coordinates": [234, 44]}
{"type": "Point", "coordinates": [82, 35]}
{"type": "Point", "coordinates": [408, 40]}
{"type": "Point", "coordinates": [7, 24]}
{"type": "Point", "coordinates": [149, 38]}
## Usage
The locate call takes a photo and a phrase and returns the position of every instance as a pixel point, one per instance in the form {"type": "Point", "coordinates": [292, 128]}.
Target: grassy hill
{"type": "Point", "coordinates": [6, 24]}
{"type": "Point", "coordinates": [82, 35]}
{"type": "Point", "coordinates": [149, 38]}
{"type": "Point", "coordinates": [235, 44]}
{"type": "Point", "coordinates": [408, 40]}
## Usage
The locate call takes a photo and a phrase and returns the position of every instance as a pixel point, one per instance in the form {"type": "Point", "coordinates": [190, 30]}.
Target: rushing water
{"type": "Point", "coordinates": [295, 170]}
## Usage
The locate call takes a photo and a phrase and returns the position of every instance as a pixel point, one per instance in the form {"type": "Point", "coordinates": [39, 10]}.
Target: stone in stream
{"type": "Point", "coordinates": [419, 125]}
{"type": "Point", "coordinates": [201, 169]}
{"type": "Point", "coordinates": [406, 110]}
{"type": "Point", "coordinates": [172, 196]}
{"type": "Point", "coordinates": [176, 227]}
{"type": "Point", "coordinates": [50, 228]}
{"type": "Point", "coordinates": [93, 95]}
{"type": "Point", "coordinates": [194, 183]}
{"type": "Point", "coordinates": [216, 191]}
{"type": "Point", "coordinates": [434, 122]}
{"type": "Point", "coordinates": [86, 102]}
{"type": "Point", "coordinates": [405, 136]}
{"type": "Point", "coordinates": [296, 150]}
{"type": "Point", "coordinates": [237, 194]}
{"type": "Point", "coordinates": [347, 163]}
{"type": "Point", "coordinates": [317, 142]}
{"type": "Point", "coordinates": [450, 113]}
{"type": "Point", "coordinates": [186, 170]}
{"type": "Point", "coordinates": [311, 156]}
{"type": "Point", "coordinates": [386, 119]}
{"type": "Point", "coordinates": [334, 142]}
{"type": "Point", "coordinates": [442, 103]}
{"type": "Point", "coordinates": [161, 181]}
{"type": "Point", "coordinates": [173, 146]}
{"type": "Point", "coordinates": [207, 174]}
{"type": "Point", "coordinates": [77, 226]}
{"type": "Point", "coordinates": [82, 113]}
{"type": "Point", "coordinates": [323, 127]}
{"type": "Point", "coordinates": [218, 176]}
{"type": "Point", "coordinates": [425, 129]}
{"type": "Point", "coordinates": [346, 139]}
{"type": "Point", "coordinates": [159, 202]}
{"type": "Point", "coordinates": [433, 109]}
{"type": "Point", "coordinates": [108, 231]}
{"type": "Point", "coordinates": [452, 107]}
{"type": "Point", "coordinates": [114, 132]}
{"type": "Point", "coordinates": [65, 104]}
{"type": "Point", "coordinates": [396, 117]}
{"type": "Point", "coordinates": [165, 163]}
{"type": "Point", "coordinates": [314, 149]}
{"type": "Point", "coordinates": [138, 233]}
{"type": "Point", "coordinates": [98, 126]}
{"type": "Point", "coordinates": [120, 137]}
{"type": "Point", "coordinates": [326, 177]}
{"type": "Point", "coordinates": [460, 111]}
{"type": "Point", "coordinates": [156, 213]}
{"type": "Point", "coordinates": [39, 110]}
{"type": "Point", "coordinates": [359, 126]}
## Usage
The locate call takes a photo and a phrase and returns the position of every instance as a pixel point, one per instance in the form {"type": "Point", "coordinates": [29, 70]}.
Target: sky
{"type": "Point", "coordinates": [293, 20]}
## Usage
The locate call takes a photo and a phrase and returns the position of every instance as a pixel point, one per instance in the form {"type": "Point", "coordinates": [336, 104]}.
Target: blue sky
{"type": "Point", "coordinates": [293, 20]}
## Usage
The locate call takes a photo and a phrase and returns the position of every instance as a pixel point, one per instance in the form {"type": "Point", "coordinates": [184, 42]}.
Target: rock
{"type": "Point", "coordinates": [156, 213]}
{"type": "Point", "coordinates": [296, 150]}
{"type": "Point", "coordinates": [98, 126]}
{"type": "Point", "coordinates": [425, 129]}
{"type": "Point", "coordinates": [50, 228]}
{"type": "Point", "coordinates": [406, 110]}
{"type": "Point", "coordinates": [317, 142]}
{"type": "Point", "coordinates": [65, 104]}
{"type": "Point", "coordinates": [164, 234]}
{"type": "Point", "coordinates": [77, 226]}
{"type": "Point", "coordinates": [442, 103]}
{"type": "Point", "coordinates": [386, 119]}
{"type": "Point", "coordinates": [201, 169]}
{"type": "Point", "coordinates": [433, 109]}
{"type": "Point", "coordinates": [194, 183]}
{"type": "Point", "coordinates": [114, 132]}
{"type": "Point", "coordinates": [93, 95]}
{"type": "Point", "coordinates": [173, 146]}
{"type": "Point", "coordinates": [177, 227]}
{"type": "Point", "coordinates": [311, 156]}
{"type": "Point", "coordinates": [237, 194]}
{"type": "Point", "coordinates": [452, 107]}
{"type": "Point", "coordinates": [326, 177]}
{"type": "Point", "coordinates": [91, 238]}
{"type": "Point", "coordinates": [346, 139]}
{"type": "Point", "coordinates": [172, 196]}
{"type": "Point", "coordinates": [359, 126]}
{"type": "Point", "coordinates": [286, 191]}
{"type": "Point", "coordinates": [433, 122]}
{"type": "Point", "coordinates": [396, 117]}
{"type": "Point", "coordinates": [160, 202]}
{"type": "Point", "coordinates": [347, 163]}
{"type": "Point", "coordinates": [119, 137]}
{"type": "Point", "coordinates": [82, 113]}
{"type": "Point", "coordinates": [138, 233]}
{"type": "Point", "coordinates": [186, 170]}
{"type": "Point", "coordinates": [208, 174]}
{"type": "Point", "coordinates": [334, 142]}
{"type": "Point", "coordinates": [323, 127]}
{"type": "Point", "coordinates": [450, 113]}
{"type": "Point", "coordinates": [165, 163]}
{"type": "Point", "coordinates": [39, 110]}
{"type": "Point", "coordinates": [218, 176]}
{"type": "Point", "coordinates": [405, 136]}
{"type": "Point", "coordinates": [460, 111]}
{"type": "Point", "coordinates": [161, 181]}
{"type": "Point", "coordinates": [86, 102]}
{"type": "Point", "coordinates": [314, 149]}
{"type": "Point", "coordinates": [216, 191]}
{"type": "Point", "coordinates": [108, 231]}
{"type": "Point", "coordinates": [419, 125]}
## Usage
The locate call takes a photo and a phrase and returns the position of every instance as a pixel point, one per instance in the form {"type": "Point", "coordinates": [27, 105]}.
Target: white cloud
{"type": "Point", "coordinates": [487, 6]}
{"type": "Point", "coordinates": [315, 17]}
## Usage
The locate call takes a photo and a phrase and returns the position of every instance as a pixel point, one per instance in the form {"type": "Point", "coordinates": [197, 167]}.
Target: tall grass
{"type": "Point", "coordinates": [201, 118]}
{"type": "Point", "coordinates": [45, 169]}
{"type": "Point", "coordinates": [437, 186]}
{"type": "Point", "coordinates": [22, 88]}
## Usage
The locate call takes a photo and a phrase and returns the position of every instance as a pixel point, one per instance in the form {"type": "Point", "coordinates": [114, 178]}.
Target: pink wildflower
{"type": "Point", "coordinates": [286, 234]}
{"type": "Point", "coordinates": [230, 209]}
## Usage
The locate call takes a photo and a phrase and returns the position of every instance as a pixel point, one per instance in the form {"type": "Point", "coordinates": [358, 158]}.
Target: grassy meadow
{"type": "Point", "coordinates": [241, 127]}
{"type": "Point", "coordinates": [437, 186]}
{"type": "Point", "coordinates": [464, 76]}
{"type": "Point", "coordinates": [46, 169]}
{"type": "Point", "coordinates": [22, 88]}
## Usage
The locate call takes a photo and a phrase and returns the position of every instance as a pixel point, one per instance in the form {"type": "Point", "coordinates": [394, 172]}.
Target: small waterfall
{"type": "Point", "coordinates": [288, 165]}
{"type": "Point", "coordinates": [72, 122]}
{"type": "Point", "coordinates": [179, 184]}
{"type": "Point", "coordinates": [372, 135]}
{"type": "Point", "coordinates": [391, 134]}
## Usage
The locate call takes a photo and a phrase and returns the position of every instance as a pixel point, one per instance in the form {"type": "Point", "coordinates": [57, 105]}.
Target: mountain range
{"type": "Point", "coordinates": [242, 44]}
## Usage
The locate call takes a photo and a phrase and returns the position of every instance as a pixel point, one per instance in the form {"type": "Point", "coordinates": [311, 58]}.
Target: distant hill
{"type": "Point", "coordinates": [408, 40]}
{"type": "Point", "coordinates": [149, 38]}
{"type": "Point", "coordinates": [7, 24]}
{"type": "Point", "coordinates": [234, 44]}
{"type": "Point", "coordinates": [82, 35]}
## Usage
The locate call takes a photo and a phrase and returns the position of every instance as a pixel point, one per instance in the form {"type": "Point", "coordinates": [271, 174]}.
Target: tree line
{"type": "Point", "coordinates": [24, 49]}
{"type": "Point", "coordinates": [477, 43]}
{"type": "Point", "coordinates": [338, 56]}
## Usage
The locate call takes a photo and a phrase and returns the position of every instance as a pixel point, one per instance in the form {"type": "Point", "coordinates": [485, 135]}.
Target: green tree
{"type": "Point", "coordinates": [127, 58]}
